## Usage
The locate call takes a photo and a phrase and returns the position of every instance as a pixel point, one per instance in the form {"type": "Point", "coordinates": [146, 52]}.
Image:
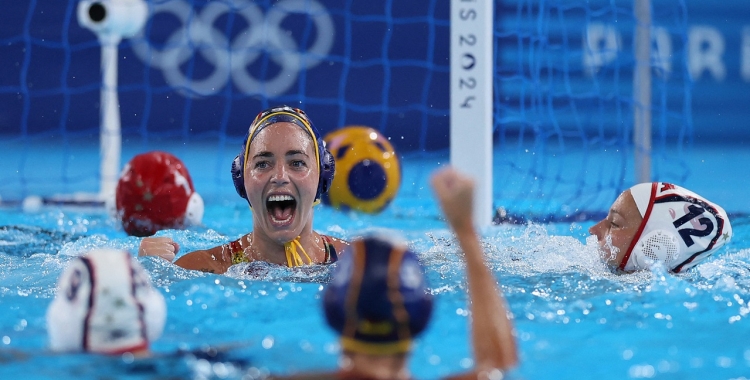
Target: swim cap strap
{"type": "Point", "coordinates": [293, 258]}
{"type": "Point", "coordinates": [643, 195]}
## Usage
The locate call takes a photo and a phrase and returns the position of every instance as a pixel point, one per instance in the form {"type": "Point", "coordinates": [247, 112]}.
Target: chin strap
{"type": "Point", "coordinates": [293, 259]}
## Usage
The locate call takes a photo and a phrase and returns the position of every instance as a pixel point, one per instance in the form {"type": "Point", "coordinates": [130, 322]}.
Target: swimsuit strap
{"type": "Point", "coordinates": [331, 255]}
{"type": "Point", "coordinates": [293, 259]}
{"type": "Point", "coordinates": [291, 249]}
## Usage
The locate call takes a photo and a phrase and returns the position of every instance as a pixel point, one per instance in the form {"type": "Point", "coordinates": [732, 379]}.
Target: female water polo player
{"type": "Point", "coordinates": [661, 223]}
{"type": "Point", "coordinates": [282, 171]}
{"type": "Point", "coordinates": [378, 303]}
{"type": "Point", "coordinates": [105, 304]}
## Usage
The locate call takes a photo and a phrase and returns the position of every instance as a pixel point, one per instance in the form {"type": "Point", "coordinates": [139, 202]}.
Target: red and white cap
{"type": "Point", "coordinates": [155, 192]}
{"type": "Point", "coordinates": [679, 229]}
{"type": "Point", "coordinates": [105, 304]}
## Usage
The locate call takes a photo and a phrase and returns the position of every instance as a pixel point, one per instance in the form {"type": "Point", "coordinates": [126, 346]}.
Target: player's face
{"type": "Point", "coordinates": [281, 180]}
{"type": "Point", "coordinates": [616, 232]}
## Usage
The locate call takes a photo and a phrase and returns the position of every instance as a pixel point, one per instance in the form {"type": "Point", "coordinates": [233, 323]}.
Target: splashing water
{"type": "Point", "coordinates": [568, 307]}
{"type": "Point", "coordinates": [613, 251]}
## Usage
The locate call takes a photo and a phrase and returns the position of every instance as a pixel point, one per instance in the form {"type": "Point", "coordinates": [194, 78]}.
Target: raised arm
{"type": "Point", "coordinates": [492, 335]}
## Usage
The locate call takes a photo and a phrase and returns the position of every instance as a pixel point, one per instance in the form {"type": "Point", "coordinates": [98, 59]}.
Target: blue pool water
{"type": "Point", "coordinates": [574, 319]}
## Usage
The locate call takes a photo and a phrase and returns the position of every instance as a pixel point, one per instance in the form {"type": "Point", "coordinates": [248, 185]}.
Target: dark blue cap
{"type": "Point", "coordinates": [377, 300]}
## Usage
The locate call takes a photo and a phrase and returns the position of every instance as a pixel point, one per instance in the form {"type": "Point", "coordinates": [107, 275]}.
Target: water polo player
{"type": "Point", "coordinates": [282, 171]}
{"type": "Point", "coordinates": [105, 304]}
{"type": "Point", "coordinates": [378, 301]}
{"type": "Point", "coordinates": [155, 192]}
{"type": "Point", "coordinates": [661, 223]}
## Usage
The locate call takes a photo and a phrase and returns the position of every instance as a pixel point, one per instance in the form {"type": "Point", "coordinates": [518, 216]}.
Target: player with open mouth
{"type": "Point", "coordinates": [282, 171]}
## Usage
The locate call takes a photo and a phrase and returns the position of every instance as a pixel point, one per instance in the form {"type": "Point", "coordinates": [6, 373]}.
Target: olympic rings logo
{"type": "Point", "coordinates": [231, 58]}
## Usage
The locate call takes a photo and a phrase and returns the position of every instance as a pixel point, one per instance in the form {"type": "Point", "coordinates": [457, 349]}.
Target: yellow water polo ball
{"type": "Point", "coordinates": [368, 170]}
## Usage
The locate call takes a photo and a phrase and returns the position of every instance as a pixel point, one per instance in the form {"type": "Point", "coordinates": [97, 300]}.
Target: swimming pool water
{"type": "Point", "coordinates": [574, 319]}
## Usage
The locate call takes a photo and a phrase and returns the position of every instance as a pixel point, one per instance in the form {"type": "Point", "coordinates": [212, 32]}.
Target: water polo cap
{"type": "Point", "coordinates": [679, 228]}
{"type": "Point", "coordinates": [377, 300]}
{"type": "Point", "coordinates": [155, 192]}
{"type": "Point", "coordinates": [326, 164]}
{"type": "Point", "coordinates": [105, 304]}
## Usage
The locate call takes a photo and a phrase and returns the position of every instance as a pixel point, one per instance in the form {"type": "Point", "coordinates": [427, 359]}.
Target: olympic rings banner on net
{"type": "Point", "coordinates": [230, 59]}
{"type": "Point", "coordinates": [207, 66]}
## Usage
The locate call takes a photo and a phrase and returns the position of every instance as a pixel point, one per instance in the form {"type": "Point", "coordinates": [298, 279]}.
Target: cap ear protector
{"type": "Point", "coordinates": [238, 178]}
{"type": "Point", "coordinates": [658, 246]}
{"type": "Point", "coordinates": [326, 162]}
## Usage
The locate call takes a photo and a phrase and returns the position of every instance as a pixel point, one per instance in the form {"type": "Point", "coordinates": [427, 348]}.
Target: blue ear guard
{"type": "Point", "coordinates": [326, 163]}
{"type": "Point", "coordinates": [377, 299]}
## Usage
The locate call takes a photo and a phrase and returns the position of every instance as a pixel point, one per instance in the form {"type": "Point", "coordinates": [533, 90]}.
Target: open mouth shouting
{"type": "Point", "coordinates": [281, 209]}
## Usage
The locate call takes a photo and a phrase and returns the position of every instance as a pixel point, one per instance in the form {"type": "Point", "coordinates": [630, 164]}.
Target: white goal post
{"type": "Point", "coordinates": [471, 96]}
{"type": "Point", "coordinates": [471, 58]}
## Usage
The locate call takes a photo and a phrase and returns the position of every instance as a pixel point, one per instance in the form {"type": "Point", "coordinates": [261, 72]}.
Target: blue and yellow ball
{"type": "Point", "coordinates": [368, 170]}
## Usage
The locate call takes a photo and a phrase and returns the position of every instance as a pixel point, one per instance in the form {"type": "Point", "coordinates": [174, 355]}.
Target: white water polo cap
{"type": "Point", "coordinates": [679, 228]}
{"type": "Point", "coordinates": [105, 304]}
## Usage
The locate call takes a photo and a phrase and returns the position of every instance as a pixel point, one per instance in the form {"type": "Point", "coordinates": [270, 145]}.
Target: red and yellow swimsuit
{"type": "Point", "coordinates": [238, 253]}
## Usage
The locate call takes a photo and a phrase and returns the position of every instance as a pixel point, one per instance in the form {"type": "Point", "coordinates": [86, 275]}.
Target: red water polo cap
{"type": "Point", "coordinates": [153, 193]}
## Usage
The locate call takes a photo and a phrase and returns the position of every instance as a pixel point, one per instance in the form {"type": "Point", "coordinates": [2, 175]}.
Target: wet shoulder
{"type": "Point", "coordinates": [338, 244]}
